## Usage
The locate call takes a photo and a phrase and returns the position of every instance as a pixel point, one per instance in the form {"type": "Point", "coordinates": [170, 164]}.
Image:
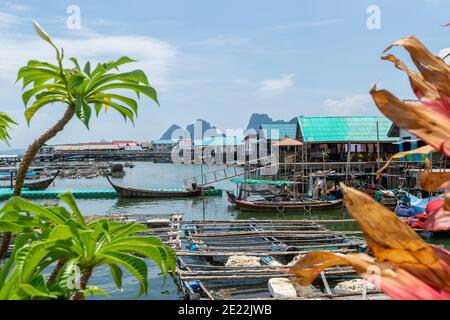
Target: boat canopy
{"type": "Point", "coordinates": [278, 183]}
{"type": "Point", "coordinates": [28, 174]}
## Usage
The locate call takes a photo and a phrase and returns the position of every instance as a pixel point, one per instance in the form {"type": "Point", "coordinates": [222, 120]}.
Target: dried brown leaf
{"type": "Point", "coordinates": [432, 68]}
{"type": "Point", "coordinates": [421, 121]}
{"type": "Point", "coordinates": [393, 241]}
{"type": "Point", "coordinates": [433, 181]}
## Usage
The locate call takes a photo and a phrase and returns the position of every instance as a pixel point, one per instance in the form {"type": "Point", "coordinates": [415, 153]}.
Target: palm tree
{"type": "Point", "coordinates": [80, 91]}
{"type": "Point", "coordinates": [64, 235]}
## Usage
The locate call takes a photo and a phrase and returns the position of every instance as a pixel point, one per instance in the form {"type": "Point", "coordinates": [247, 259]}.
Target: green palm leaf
{"type": "Point", "coordinates": [117, 274]}
{"type": "Point", "coordinates": [69, 199]}
{"type": "Point", "coordinates": [6, 226]}
{"type": "Point", "coordinates": [27, 95]}
{"type": "Point", "coordinates": [144, 89]}
{"type": "Point", "coordinates": [29, 257]}
{"type": "Point", "coordinates": [137, 267]}
{"type": "Point", "coordinates": [38, 104]}
{"type": "Point", "coordinates": [5, 124]}
{"type": "Point", "coordinates": [82, 89]}
{"type": "Point", "coordinates": [18, 204]}
{"type": "Point", "coordinates": [124, 111]}
{"type": "Point", "coordinates": [36, 288]}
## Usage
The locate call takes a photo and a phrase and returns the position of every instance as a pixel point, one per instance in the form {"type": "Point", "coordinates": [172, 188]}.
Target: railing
{"type": "Point", "coordinates": [208, 178]}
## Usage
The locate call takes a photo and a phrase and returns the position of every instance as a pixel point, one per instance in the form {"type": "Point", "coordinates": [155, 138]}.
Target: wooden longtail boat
{"type": "Point", "coordinates": [149, 193]}
{"type": "Point", "coordinates": [41, 184]}
{"type": "Point", "coordinates": [283, 206]}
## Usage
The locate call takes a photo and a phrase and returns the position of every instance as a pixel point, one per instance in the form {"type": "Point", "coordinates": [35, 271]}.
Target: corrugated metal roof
{"type": "Point", "coordinates": [275, 131]}
{"type": "Point", "coordinates": [345, 129]}
{"type": "Point", "coordinates": [164, 142]}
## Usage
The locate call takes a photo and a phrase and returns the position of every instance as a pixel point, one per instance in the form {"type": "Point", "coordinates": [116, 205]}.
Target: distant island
{"type": "Point", "coordinates": [255, 122]}
{"type": "Point", "coordinates": [257, 119]}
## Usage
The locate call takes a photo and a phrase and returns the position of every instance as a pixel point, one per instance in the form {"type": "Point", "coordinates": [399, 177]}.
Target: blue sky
{"type": "Point", "coordinates": [221, 60]}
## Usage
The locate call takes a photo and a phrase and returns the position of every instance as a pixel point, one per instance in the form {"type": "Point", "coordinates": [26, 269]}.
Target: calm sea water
{"type": "Point", "coordinates": [147, 175]}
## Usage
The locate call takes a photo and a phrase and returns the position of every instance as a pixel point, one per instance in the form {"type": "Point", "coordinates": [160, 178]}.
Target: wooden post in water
{"type": "Point", "coordinates": [203, 194]}
{"type": "Point", "coordinates": [378, 154]}
{"type": "Point", "coordinates": [347, 171]}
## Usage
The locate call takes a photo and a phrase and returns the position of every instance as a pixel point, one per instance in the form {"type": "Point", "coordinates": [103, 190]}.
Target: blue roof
{"type": "Point", "coordinates": [345, 129]}
{"type": "Point", "coordinates": [275, 131]}
{"type": "Point", "coordinates": [164, 142]}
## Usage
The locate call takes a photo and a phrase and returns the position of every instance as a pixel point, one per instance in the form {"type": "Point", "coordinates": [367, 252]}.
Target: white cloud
{"type": "Point", "coordinates": [355, 105]}
{"type": "Point", "coordinates": [274, 87]}
{"type": "Point", "coordinates": [154, 56]}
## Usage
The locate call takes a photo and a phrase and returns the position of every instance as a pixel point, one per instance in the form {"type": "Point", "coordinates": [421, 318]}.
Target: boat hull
{"type": "Point", "coordinates": [39, 185]}
{"type": "Point", "coordinates": [284, 206]}
{"type": "Point", "coordinates": [149, 194]}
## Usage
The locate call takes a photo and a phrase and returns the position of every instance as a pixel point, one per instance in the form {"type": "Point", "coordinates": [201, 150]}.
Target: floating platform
{"type": "Point", "coordinates": [5, 194]}
{"type": "Point", "coordinates": [240, 259]}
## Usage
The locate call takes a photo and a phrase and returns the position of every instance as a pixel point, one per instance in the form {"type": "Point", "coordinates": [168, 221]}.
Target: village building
{"type": "Point", "coordinates": [125, 143]}
{"type": "Point", "coordinates": [406, 142]}
{"type": "Point", "coordinates": [259, 144]}
{"type": "Point", "coordinates": [46, 153]}
{"type": "Point", "coordinates": [9, 159]}
{"type": "Point", "coordinates": [84, 150]}
{"type": "Point", "coordinates": [163, 146]}
{"type": "Point", "coordinates": [336, 138]}
{"type": "Point", "coordinates": [273, 133]}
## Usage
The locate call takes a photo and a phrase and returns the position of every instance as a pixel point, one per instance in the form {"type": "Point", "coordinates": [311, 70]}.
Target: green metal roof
{"type": "Point", "coordinates": [284, 129]}
{"type": "Point", "coordinates": [345, 129]}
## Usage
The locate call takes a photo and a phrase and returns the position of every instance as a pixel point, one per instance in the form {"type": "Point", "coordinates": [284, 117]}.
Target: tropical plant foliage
{"type": "Point", "coordinates": [81, 91]}
{"type": "Point", "coordinates": [56, 237]}
{"type": "Point", "coordinates": [5, 125]}
{"type": "Point", "coordinates": [56, 234]}
{"type": "Point", "coordinates": [86, 88]}
{"type": "Point", "coordinates": [403, 266]}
